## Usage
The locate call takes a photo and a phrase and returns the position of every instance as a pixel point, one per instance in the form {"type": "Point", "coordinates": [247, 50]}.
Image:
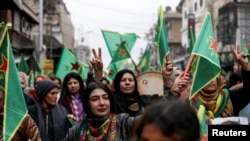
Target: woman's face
{"type": "Point", "coordinates": [99, 103]}
{"type": "Point", "coordinates": [127, 84]}
{"type": "Point", "coordinates": [151, 132]}
{"type": "Point", "coordinates": [211, 87]}
{"type": "Point", "coordinates": [73, 86]}
{"type": "Point", "coordinates": [51, 97]}
{"type": "Point", "coordinates": [21, 78]}
{"type": "Point", "coordinates": [37, 80]}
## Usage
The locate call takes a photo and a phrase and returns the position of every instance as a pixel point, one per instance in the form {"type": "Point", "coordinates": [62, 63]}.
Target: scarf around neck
{"type": "Point", "coordinates": [217, 104]}
{"type": "Point", "coordinates": [104, 132]}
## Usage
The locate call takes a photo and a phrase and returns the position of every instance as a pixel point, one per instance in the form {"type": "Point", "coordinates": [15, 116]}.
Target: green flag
{"type": "Point", "coordinates": [114, 68]}
{"type": "Point", "coordinates": [14, 105]}
{"type": "Point", "coordinates": [144, 63]}
{"type": "Point", "coordinates": [119, 46]}
{"type": "Point", "coordinates": [191, 39]}
{"type": "Point", "coordinates": [243, 47]}
{"type": "Point", "coordinates": [23, 66]}
{"type": "Point", "coordinates": [83, 71]}
{"type": "Point", "coordinates": [161, 38]}
{"type": "Point", "coordinates": [37, 69]}
{"type": "Point", "coordinates": [67, 63]}
{"type": "Point", "coordinates": [202, 120]}
{"type": "Point", "coordinates": [207, 63]}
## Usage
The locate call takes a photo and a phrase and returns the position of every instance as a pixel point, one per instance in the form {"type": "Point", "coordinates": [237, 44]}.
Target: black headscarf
{"type": "Point", "coordinates": [125, 100]}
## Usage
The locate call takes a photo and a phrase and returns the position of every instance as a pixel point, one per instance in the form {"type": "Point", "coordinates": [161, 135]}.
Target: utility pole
{"type": "Point", "coordinates": [40, 47]}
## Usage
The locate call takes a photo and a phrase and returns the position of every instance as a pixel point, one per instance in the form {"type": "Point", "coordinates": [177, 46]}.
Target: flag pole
{"type": "Point", "coordinates": [136, 67]}
{"type": "Point", "coordinates": [188, 65]}
{"type": "Point", "coordinates": [4, 31]}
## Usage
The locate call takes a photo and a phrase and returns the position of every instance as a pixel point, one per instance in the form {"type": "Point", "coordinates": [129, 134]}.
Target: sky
{"type": "Point", "coordinates": [89, 17]}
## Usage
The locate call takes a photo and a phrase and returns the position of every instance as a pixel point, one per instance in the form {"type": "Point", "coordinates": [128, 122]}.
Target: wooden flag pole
{"type": "Point", "coordinates": [136, 67]}
{"type": "Point", "coordinates": [188, 65]}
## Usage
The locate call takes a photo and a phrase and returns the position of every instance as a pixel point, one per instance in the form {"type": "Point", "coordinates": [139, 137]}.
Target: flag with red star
{"type": "Point", "coordinates": [119, 45]}
{"type": "Point", "coordinates": [115, 67]}
{"type": "Point", "coordinates": [68, 63]}
{"type": "Point", "coordinates": [206, 66]}
{"type": "Point", "coordinates": [14, 104]}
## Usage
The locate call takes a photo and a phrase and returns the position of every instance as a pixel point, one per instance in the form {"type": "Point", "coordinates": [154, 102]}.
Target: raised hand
{"type": "Point", "coordinates": [96, 61]}
{"type": "Point", "coordinates": [241, 58]}
{"type": "Point", "coordinates": [181, 82]}
{"type": "Point", "coordinates": [97, 64]}
{"type": "Point", "coordinates": [167, 70]}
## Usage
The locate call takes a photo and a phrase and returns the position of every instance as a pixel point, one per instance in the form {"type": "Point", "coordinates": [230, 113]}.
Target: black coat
{"type": "Point", "coordinates": [57, 119]}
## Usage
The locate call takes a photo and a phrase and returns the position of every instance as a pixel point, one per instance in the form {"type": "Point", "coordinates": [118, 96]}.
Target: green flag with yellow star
{"type": "Point", "coordinates": [14, 107]}
{"type": "Point", "coordinates": [119, 45]}
{"type": "Point", "coordinates": [67, 63]}
{"type": "Point", "coordinates": [207, 63]}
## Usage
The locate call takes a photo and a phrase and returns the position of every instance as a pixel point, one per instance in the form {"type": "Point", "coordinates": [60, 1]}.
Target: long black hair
{"type": "Point", "coordinates": [86, 97]}
{"type": "Point", "coordinates": [65, 91]}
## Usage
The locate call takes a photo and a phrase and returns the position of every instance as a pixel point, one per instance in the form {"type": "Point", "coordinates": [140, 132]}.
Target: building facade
{"type": "Point", "coordinates": [57, 31]}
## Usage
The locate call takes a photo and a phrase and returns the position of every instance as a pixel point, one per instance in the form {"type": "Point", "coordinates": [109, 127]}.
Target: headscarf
{"type": "Point", "coordinates": [217, 104]}
{"type": "Point", "coordinates": [131, 103]}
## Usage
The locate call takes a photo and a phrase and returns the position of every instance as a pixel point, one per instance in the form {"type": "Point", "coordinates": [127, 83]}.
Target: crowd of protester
{"type": "Point", "coordinates": [95, 109]}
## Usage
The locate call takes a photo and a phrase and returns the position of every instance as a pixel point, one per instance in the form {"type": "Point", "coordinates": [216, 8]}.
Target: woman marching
{"type": "Point", "coordinates": [100, 124]}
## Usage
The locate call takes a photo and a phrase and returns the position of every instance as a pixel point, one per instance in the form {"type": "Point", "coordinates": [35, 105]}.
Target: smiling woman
{"type": "Point", "coordinates": [127, 16]}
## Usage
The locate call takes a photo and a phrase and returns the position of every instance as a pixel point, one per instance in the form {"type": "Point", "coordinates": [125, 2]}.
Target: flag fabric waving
{"type": "Point", "coordinates": [161, 39]}
{"type": "Point", "coordinates": [14, 104]}
{"type": "Point", "coordinates": [67, 63]}
{"type": "Point", "coordinates": [144, 63]}
{"type": "Point", "coordinates": [23, 66]}
{"type": "Point", "coordinates": [114, 68]}
{"type": "Point", "coordinates": [206, 58]}
{"type": "Point", "coordinates": [243, 47]}
{"type": "Point", "coordinates": [83, 71]}
{"type": "Point", "coordinates": [119, 46]}
{"type": "Point", "coordinates": [37, 69]}
{"type": "Point", "coordinates": [191, 40]}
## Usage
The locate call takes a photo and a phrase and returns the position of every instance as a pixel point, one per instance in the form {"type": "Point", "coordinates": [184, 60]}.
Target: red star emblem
{"type": "Point", "coordinates": [110, 73]}
{"type": "Point", "coordinates": [3, 66]}
{"type": "Point", "coordinates": [213, 45]}
{"type": "Point", "coordinates": [75, 66]}
{"type": "Point", "coordinates": [122, 52]}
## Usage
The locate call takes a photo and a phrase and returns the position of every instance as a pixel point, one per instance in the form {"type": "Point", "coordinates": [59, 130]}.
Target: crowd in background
{"type": "Point", "coordinates": [99, 110]}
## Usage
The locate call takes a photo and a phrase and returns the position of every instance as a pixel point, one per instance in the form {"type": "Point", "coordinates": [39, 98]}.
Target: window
{"type": "Point", "coordinates": [201, 3]}
{"type": "Point", "coordinates": [195, 6]}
